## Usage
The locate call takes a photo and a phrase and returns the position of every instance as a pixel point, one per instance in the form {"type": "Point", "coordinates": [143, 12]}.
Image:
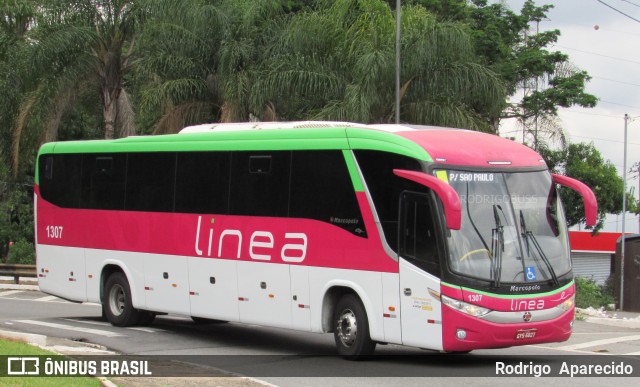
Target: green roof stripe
{"type": "Point", "coordinates": [338, 138]}
{"type": "Point", "coordinates": [353, 171]}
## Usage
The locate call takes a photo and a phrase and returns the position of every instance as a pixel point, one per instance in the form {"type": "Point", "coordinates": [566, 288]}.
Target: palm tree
{"type": "Point", "coordinates": [206, 69]}
{"type": "Point", "coordinates": [75, 48]}
{"type": "Point", "coordinates": [178, 73]}
{"type": "Point", "coordinates": [339, 63]}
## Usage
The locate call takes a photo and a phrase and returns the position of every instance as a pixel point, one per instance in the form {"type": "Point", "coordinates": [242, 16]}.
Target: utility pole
{"type": "Point", "coordinates": [624, 210]}
{"type": "Point", "coordinates": [398, 6]}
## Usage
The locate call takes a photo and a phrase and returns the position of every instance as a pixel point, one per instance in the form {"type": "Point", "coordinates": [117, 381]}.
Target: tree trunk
{"type": "Point", "coordinates": [109, 112]}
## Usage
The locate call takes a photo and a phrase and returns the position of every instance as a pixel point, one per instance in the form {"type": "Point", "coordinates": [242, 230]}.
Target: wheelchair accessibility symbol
{"type": "Point", "coordinates": [531, 273]}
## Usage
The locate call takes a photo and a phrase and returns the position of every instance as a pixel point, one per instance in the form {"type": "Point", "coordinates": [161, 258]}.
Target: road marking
{"type": "Point", "coordinates": [565, 350]}
{"type": "Point", "coordinates": [10, 292]}
{"type": "Point", "coordinates": [148, 330]}
{"type": "Point", "coordinates": [102, 323]}
{"type": "Point", "coordinates": [47, 298]}
{"type": "Point", "coordinates": [71, 328]}
{"type": "Point", "coordinates": [596, 343]}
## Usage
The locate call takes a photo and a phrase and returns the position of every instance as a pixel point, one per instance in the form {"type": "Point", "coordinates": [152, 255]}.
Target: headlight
{"type": "Point", "coordinates": [568, 303]}
{"type": "Point", "coordinates": [470, 309]}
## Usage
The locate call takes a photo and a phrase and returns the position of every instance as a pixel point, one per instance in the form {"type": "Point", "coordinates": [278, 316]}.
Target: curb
{"type": "Point", "coordinates": [42, 342]}
{"type": "Point", "coordinates": [18, 287]}
{"type": "Point", "coordinates": [616, 322]}
{"type": "Point", "coordinates": [66, 347]}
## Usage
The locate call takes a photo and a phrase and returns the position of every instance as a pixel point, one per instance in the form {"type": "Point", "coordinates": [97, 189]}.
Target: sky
{"type": "Point", "coordinates": [606, 44]}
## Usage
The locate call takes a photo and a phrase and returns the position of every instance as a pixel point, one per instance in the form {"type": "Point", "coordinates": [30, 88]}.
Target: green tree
{"type": "Point", "coordinates": [538, 80]}
{"type": "Point", "coordinates": [585, 163]}
{"type": "Point", "coordinates": [178, 76]}
{"type": "Point", "coordinates": [16, 219]}
{"type": "Point", "coordinates": [338, 63]}
{"type": "Point", "coordinates": [75, 49]}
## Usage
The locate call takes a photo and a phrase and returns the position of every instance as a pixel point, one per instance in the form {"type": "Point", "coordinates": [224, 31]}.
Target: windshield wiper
{"type": "Point", "coordinates": [528, 236]}
{"type": "Point", "coordinates": [484, 243]}
{"type": "Point", "coordinates": [497, 247]}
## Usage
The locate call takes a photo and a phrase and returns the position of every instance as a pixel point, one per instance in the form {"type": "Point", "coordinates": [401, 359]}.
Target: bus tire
{"type": "Point", "coordinates": [117, 303]}
{"type": "Point", "coordinates": [351, 328]}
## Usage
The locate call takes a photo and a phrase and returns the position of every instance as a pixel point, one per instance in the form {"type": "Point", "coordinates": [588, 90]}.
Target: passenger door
{"type": "Point", "coordinates": [418, 250]}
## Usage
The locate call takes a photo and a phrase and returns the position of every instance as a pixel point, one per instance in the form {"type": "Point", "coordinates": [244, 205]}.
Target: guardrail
{"type": "Point", "coordinates": [16, 271]}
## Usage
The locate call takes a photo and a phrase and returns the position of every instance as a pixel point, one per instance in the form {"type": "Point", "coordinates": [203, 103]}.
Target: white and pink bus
{"type": "Point", "coordinates": [436, 238]}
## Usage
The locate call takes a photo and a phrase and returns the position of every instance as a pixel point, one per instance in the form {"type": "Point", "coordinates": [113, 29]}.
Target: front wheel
{"type": "Point", "coordinates": [117, 305]}
{"type": "Point", "coordinates": [351, 328]}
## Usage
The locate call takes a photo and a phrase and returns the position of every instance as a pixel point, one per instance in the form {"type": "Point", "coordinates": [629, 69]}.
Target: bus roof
{"type": "Point", "coordinates": [427, 143]}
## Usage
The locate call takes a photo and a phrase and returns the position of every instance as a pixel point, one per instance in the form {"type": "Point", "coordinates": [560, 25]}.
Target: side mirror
{"type": "Point", "coordinates": [588, 197]}
{"type": "Point", "coordinates": [446, 193]}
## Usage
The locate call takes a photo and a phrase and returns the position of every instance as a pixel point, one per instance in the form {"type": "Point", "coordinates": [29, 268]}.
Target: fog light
{"type": "Point", "coordinates": [461, 334]}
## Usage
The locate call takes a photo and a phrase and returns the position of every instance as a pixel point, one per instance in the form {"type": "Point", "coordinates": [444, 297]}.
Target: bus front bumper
{"type": "Point", "coordinates": [462, 332]}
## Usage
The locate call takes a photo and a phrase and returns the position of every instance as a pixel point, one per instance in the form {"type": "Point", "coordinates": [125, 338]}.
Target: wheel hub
{"type": "Point", "coordinates": [347, 328]}
{"type": "Point", "coordinates": [117, 300]}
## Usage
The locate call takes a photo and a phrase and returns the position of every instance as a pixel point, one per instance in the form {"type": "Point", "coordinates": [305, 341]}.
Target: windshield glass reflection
{"type": "Point", "coordinates": [512, 230]}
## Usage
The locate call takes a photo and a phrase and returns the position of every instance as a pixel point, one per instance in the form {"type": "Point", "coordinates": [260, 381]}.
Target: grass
{"type": "Point", "coordinates": [14, 348]}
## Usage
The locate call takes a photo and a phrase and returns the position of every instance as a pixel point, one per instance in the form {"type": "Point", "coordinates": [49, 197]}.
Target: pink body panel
{"type": "Point", "coordinates": [509, 304]}
{"type": "Point", "coordinates": [486, 334]}
{"type": "Point", "coordinates": [175, 234]}
{"type": "Point", "coordinates": [463, 147]}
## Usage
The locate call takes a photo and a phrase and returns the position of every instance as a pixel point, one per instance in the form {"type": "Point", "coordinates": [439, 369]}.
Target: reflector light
{"type": "Point", "coordinates": [461, 334]}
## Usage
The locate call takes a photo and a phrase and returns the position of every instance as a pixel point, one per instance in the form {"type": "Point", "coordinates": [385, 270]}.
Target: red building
{"type": "Point", "coordinates": [592, 255]}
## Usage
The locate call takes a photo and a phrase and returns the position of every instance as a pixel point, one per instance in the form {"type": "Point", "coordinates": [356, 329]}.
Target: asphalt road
{"type": "Point", "coordinates": [289, 358]}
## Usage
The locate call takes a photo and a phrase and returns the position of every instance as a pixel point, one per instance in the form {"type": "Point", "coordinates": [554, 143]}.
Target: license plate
{"type": "Point", "coordinates": [526, 334]}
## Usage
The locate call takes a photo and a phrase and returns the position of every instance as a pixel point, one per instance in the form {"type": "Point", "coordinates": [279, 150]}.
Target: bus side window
{"type": "Point", "coordinates": [150, 181]}
{"type": "Point", "coordinates": [103, 181]}
{"type": "Point", "coordinates": [321, 189]}
{"type": "Point", "coordinates": [417, 239]}
{"type": "Point", "coordinates": [60, 183]}
{"type": "Point", "coordinates": [202, 182]}
{"type": "Point", "coordinates": [260, 183]}
{"type": "Point", "coordinates": [385, 187]}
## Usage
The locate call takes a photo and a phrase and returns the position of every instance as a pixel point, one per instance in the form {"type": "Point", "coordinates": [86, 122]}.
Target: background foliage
{"type": "Point", "coordinates": [92, 69]}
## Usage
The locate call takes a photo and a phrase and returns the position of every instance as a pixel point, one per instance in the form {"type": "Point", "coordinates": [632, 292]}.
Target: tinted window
{"type": "Point", "coordinates": [260, 183]}
{"type": "Point", "coordinates": [418, 242]}
{"type": "Point", "coordinates": [103, 180]}
{"type": "Point", "coordinates": [321, 189]}
{"type": "Point", "coordinates": [202, 183]}
{"type": "Point", "coordinates": [150, 182]}
{"type": "Point", "coordinates": [385, 187]}
{"type": "Point", "coordinates": [60, 177]}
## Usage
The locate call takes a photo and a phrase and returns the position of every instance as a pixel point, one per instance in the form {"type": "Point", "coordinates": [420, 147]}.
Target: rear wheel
{"type": "Point", "coordinates": [117, 305]}
{"type": "Point", "coordinates": [351, 328]}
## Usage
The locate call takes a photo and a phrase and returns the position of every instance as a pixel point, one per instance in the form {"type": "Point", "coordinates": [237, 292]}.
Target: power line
{"type": "Point", "coordinates": [604, 139]}
{"type": "Point", "coordinates": [617, 10]}
{"type": "Point", "coordinates": [590, 114]}
{"type": "Point", "coordinates": [634, 4]}
{"type": "Point", "coordinates": [617, 81]}
{"type": "Point", "coordinates": [595, 53]}
{"type": "Point", "coordinates": [619, 104]}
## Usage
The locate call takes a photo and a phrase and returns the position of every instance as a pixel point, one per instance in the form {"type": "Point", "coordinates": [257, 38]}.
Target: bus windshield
{"type": "Point", "coordinates": [513, 228]}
